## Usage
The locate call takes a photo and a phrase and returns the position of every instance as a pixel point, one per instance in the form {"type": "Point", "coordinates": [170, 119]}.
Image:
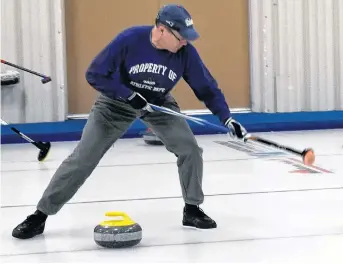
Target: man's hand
{"type": "Point", "coordinates": [236, 129]}
{"type": "Point", "coordinates": [139, 102]}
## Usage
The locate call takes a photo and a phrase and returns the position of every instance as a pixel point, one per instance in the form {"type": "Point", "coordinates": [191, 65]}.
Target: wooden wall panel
{"type": "Point", "coordinates": [91, 25]}
{"type": "Point", "coordinates": [223, 46]}
{"type": "Point", "coordinates": [223, 26]}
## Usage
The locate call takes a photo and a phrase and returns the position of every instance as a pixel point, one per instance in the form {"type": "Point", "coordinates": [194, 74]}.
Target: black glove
{"type": "Point", "coordinates": [236, 129]}
{"type": "Point", "coordinates": [138, 102]}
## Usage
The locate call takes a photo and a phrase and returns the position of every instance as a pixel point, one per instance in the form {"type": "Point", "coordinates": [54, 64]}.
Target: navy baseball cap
{"type": "Point", "coordinates": [177, 17]}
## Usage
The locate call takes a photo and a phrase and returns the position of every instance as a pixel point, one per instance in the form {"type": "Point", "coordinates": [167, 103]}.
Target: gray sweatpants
{"type": "Point", "coordinates": [108, 121]}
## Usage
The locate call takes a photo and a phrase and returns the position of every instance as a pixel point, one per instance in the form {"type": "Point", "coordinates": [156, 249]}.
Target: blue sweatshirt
{"type": "Point", "coordinates": [131, 63]}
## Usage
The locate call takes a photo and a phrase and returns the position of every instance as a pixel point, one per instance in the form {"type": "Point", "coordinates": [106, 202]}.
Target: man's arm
{"type": "Point", "coordinates": [104, 71]}
{"type": "Point", "coordinates": [205, 87]}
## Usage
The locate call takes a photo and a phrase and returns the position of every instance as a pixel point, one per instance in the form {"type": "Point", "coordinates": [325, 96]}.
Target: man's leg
{"type": "Point", "coordinates": [107, 121]}
{"type": "Point", "coordinates": [178, 138]}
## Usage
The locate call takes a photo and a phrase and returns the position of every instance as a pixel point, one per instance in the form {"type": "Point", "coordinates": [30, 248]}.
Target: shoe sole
{"type": "Point", "coordinates": [27, 236]}
{"type": "Point", "coordinates": [194, 227]}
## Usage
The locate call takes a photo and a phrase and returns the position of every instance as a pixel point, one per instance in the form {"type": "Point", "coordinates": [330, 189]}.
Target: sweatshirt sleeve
{"type": "Point", "coordinates": [104, 71]}
{"type": "Point", "coordinates": [204, 85]}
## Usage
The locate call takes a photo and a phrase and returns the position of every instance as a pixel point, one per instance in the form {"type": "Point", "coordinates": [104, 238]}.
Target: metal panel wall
{"type": "Point", "coordinates": [33, 37]}
{"type": "Point", "coordinates": [296, 55]}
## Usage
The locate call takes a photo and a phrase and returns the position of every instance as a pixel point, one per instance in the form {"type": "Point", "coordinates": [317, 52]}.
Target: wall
{"type": "Point", "coordinates": [296, 55]}
{"type": "Point", "coordinates": [296, 52]}
{"type": "Point", "coordinates": [293, 61]}
{"type": "Point", "coordinates": [224, 44]}
{"type": "Point", "coordinates": [32, 36]}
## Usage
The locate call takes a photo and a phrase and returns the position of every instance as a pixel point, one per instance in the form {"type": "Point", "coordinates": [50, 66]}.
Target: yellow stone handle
{"type": "Point", "coordinates": [114, 214]}
{"type": "Point", "coordinates": [117, 222]}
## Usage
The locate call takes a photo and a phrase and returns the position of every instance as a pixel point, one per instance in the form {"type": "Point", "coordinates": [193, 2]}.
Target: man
{"type": "Point", "coordinates": [142, 64]}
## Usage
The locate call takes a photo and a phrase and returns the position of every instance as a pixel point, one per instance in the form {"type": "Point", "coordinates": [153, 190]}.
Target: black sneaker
{"type": "Point", "coordinates": [193, 216]}
{"type": "Point", "coordinates": [33, 225]}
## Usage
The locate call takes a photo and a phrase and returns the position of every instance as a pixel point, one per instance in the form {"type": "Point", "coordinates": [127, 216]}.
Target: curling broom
{"type": "Point", "coordinates": [307, 154]}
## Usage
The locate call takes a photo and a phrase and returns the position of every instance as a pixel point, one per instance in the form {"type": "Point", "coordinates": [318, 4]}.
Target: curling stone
{"type": "Point", "coordinates": [118, 233]}
{"type": "Point", "coordinates": [10, 77]}
{"type": "Point", "coordinates": [150, 138]}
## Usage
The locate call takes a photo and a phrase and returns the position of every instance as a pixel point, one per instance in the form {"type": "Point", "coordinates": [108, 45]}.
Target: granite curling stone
{"type": "Point", "coordinates": [150, 138]}
{"type": "Point", "coordinates": [118, 233]}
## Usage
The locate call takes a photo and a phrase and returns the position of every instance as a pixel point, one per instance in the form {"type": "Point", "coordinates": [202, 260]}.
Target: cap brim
{"type": "Point", "coordinates": [189, 34]}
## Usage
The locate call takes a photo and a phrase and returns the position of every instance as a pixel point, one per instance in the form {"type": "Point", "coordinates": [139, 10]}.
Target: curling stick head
{"type": "Point", "coordinates": [308, 156]}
